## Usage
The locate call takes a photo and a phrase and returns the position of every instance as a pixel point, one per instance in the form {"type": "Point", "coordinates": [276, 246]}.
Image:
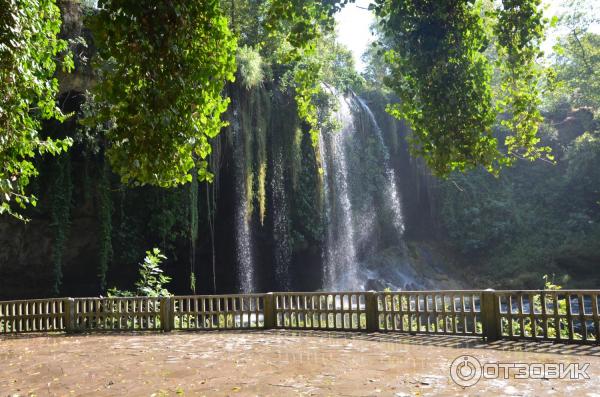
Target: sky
{"type": "Point", "coordinates": [353, 29]}
{"type": "Point", "coordinates": [354, 22]}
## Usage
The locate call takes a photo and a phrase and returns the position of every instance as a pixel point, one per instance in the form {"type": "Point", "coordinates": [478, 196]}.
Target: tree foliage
{"type": "Point", "coordinates": [440, 57]}
{"type": "Point", "coordinates": [577, 64]}
{"type": "Point", "coordinates": [541, 217]}
{"type": "Point", "coordinates": [29, 49]}
{"type": "Point", "coordinates": [302, 25]}
{"type": "Point", "coordinates": [163, 69]}
{"type": "Point", "coordinates": [250, 67]}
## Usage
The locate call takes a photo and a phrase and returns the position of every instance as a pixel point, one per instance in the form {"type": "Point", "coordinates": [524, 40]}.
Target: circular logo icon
{"type": "Point", "coordinates": [465, 371]}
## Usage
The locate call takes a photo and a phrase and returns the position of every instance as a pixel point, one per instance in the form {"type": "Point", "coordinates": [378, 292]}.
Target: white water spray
{"type": "Point", "coordinates": [243, 235]}
{"type": "Point", "coordinates": [283, 248]}
{"type": "Point", "coordinates": [341, 265]}
{"type": "Point", "coordinates": [392, 196]}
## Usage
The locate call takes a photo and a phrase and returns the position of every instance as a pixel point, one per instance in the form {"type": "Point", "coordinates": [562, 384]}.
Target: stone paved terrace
{"type": "Point", "coordinates": [273, 363]}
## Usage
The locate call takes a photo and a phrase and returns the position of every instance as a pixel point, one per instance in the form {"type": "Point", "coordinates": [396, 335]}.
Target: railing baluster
{"type": "Point", "coordinates": [569, 317]}
{"type": "Point", "coordinates": [464, 316]}
{"type": "Point", "coordinates": [521, 314]}
{"type": "Point", "coordinates": [532, 316]}
{"type": "Point", "coordinates": [596, 317]}
{"type": "Point", "coordinates": [582, 318]}
{"type": "Point", "coordinates": [454, 314]}
{"type": "Point", "coordinates": [544, 315]}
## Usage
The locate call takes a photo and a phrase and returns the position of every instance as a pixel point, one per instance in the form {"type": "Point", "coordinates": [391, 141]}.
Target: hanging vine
{"type": "Point", "coordinates": [263, 110]}
{"type": "Point", "coordinates": [105, 208]}
{"type": "Point", "coordinates": [520, 31]}
{"type": "Point", "coordinates": [211, 205]}
{"type": "Point", "coordinates": [61, 192]}
{"type": "Point", "coordinates": [193, 231]}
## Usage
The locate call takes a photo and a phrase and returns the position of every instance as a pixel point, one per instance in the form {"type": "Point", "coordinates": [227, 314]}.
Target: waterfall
{"type": "Point", "coordinates": [243, 232]}
{"type": "Point", "coordinates": [281, 226]}
{"type": "Point", "coordinates": [392, 197]}
{"type": "Point", "coordinates": [340, 262]}
{"type": "Point", "coordinates": [362, 211]}
{"type": "Point", "coordinates": [352, 191]}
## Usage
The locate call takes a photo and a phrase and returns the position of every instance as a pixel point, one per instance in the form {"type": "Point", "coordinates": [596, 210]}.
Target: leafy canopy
{"type": "Point", "coordinates": [442, 57]}
{"type": "Point", "coordinates": [301, 25]}
{"type": "Point", "coordinates": [577, 65]}
{"type": "Point", "coordinates": [29, 49]}
{"type": "Point", "coordinates": [163, 69]}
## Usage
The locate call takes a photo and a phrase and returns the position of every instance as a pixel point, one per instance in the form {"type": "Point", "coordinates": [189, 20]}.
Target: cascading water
{"type": "Point", "coordinates": [283, 248]}
{"type": "Point", "coordinates": [341, 264]}
{"type": "Point", "coordinates": [391, 190]}
{"type": "Point", "coordinates": [361, 197]}
{"type": "Point", "coordinates": [243, 236]}
{"type": "Point", "coordinates": [362, 211]}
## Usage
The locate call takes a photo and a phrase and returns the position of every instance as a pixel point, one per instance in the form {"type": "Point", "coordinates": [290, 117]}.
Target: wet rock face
{"type": "Point", "coordinates": [24, 252]}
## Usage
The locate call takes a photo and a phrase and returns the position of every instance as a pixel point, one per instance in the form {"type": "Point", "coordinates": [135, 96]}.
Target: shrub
{"type": "Point", "coordinates": [152, 281]}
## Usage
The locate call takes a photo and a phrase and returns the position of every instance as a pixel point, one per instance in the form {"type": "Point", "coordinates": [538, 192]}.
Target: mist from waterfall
{"type": "Point", "coordinates": [243, 231]}
{"type": "Point", "coordinates": [340, 261]}
{"type": "Point", "coordinates": [392, 197]}
{"type": "Point", "coordinates": [352, 210]}
{"type": "Point", "coordinates": [362, 222]}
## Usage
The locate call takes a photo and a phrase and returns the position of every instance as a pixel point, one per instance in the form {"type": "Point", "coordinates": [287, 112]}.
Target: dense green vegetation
{"type": "Point", "coordinates": [29, 48]}
{"type": "Point", "coordinates": [162, 68]}
{"type": "Point", "coordinates": [442, 59]}
{"type": "Point", "coordinates": [169, 77]}
{"type": "Point", "coordinates": [540, 217]}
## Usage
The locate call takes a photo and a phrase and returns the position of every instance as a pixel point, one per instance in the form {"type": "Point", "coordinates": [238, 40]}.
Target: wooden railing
{"type": "Point", "coordinates": [565, 315]}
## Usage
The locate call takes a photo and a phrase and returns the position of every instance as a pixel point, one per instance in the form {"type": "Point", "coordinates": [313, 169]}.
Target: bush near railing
{"type": "Point", "coordinates": [563, 315]}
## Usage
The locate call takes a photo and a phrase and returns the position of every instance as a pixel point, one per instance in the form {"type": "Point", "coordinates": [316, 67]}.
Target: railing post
{"type": "Point", "coordinates": [165, 314]}
{"type": "Point", "coordinates": [490, 315]}
{"type": "Point", "coordinates": [69, 315]}
{"type": "Point", "coordinates": [269, 311]}
{"type": "Point", "coordinates": [372, 311]}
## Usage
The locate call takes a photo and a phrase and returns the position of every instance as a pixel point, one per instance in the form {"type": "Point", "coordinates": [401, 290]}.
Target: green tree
{"type": "Point", "coordinates": [577, 65]}
{"type": "Point", "coordinates": [29, 50]}
{"type": "Point", "coordinates": [162, 67]}
{"type": "Point", "coordinates": [152, 281]}
{"type": "Point", "coordinates": [441, 68]}
{"type": "Point", "coordinates": [162, 70]}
